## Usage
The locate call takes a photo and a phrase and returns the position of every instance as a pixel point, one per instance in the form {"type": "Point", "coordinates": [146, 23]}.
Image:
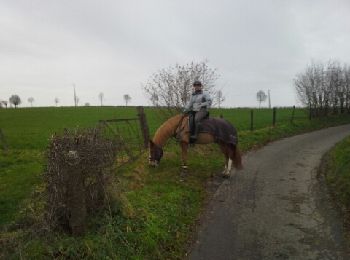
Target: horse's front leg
{"type": "Point", "coordinates": [184, 148]}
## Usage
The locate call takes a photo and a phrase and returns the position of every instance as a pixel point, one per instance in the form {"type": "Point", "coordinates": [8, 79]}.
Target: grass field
{"type": "Point", "coordinates": [160, 208]}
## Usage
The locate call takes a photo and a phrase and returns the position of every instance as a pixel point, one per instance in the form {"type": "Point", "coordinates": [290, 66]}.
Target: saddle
{"type": "Point", "coordinates": [221, 129]}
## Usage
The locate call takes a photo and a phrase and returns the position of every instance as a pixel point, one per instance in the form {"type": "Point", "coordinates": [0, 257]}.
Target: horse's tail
{"type": "Point", "coordinates": [237, 158]}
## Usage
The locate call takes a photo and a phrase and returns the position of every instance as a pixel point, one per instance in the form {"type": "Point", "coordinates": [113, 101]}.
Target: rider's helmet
{"type": "Point", "coordinates": [197, 83]}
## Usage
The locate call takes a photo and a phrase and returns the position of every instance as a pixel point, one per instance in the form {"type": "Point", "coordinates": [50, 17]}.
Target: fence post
{"type": "Point", "coordinates": [76, 195]}
{"type": "Point", "coordinates": [3, 141]}
{"type": "Point", "coordinates": [251, 120]}
{"type": "Point", "coordinates": [77, 203]}
{"type": "Point", "coordinates": [274, 116]}
{"type": "Point", "coordinates": [144, 126]}
{"type": "Point", "coordinates": [293, 112]}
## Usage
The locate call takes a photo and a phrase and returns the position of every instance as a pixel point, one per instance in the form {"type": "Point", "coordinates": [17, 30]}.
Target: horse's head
{"type": "Point", "coordinates": [155, 154]}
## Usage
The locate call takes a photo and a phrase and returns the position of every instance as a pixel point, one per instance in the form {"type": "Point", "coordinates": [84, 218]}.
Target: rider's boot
{"type": "Point", "coordinates": [193, 138]}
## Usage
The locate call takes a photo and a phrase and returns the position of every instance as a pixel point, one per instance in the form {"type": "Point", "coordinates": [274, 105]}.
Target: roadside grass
{"type": "Point", "coordinates": [336, 170]}
{"type": "Point", "coordinates": [338, 173]}
{"type": "Point", "coordinates": [158, 208]}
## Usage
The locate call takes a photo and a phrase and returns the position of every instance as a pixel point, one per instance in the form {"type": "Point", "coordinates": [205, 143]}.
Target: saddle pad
{"type": "Point", "coordinates": [220, 129]}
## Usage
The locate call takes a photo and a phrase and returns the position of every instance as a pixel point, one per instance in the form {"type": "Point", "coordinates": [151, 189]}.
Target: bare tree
{"type": "Point", "coordinates": [101, 97]}
{"type": "Point", "coordinates": [3, 103]}
{"type": "Point", "coordinates": [311, 87]}
{"type": "Point", "coordinates": [31, 100]}
{"type": "Point", "coordinates": [219, 98]}
{"type": "Point", "coordinates": [154, 99]}
{"type": "Point", "coordinates": [75, 97]}
{"type": "Point", "coordinates": [302, 89]}
{"type": "Point", "coordinates": [346, 82]}
{"type": "Point", "coordinates": [322, 87]}
{"type": "Point", "coordinates": [127, 99]}
{"type": "Point", "coordinates": [334, 82]}
{"type": "Point", "coordinates": [15, 100]}
{"type": "Point", "coordinates": [261, 97]}
{"type": "Point", "coordinates": [56, 101]}
{"type": "Point", "coordinates": [171, 87]}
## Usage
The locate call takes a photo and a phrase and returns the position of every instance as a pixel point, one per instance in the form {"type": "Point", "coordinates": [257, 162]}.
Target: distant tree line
{"type": "Point", "coordinates": [325, 88]}
{"type": "Point", "coordinates": [15, 100]}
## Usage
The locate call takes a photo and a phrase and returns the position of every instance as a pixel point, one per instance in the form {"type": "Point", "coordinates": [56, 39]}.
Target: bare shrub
{"type": "Point", "coordinates": [78, 178]}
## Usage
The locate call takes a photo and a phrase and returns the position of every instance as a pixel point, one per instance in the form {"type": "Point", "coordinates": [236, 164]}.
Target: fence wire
{"type": "Point", "coordinates": [127, 135]}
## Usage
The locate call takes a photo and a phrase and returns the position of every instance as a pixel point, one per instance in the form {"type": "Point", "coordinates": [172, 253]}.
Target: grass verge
{"type": "Point", "coordinates": [337, 174]}
{"type": "Point", "coordinates": [336, 170]}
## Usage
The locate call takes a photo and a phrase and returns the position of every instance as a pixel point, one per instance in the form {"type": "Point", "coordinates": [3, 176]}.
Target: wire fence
{"type": "Point", "coordinates": [253, 119]}
{"type": "Point", "coordinates": [131, 135]}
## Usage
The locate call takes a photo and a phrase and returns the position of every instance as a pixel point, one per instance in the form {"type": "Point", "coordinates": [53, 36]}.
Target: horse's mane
{"type": "Point", "coordinates": [166, 130]}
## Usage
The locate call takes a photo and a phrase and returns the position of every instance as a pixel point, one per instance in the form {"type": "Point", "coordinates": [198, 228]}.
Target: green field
{"type": "Point", "coordinates": [160, 209]}
{"type": "Point", "coordinates": [30, 128]}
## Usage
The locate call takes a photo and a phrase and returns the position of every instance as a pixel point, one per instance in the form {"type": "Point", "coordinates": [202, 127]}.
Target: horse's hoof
{"type": "Point", "coordinates": [183, 175]}
{"type": "Point", "coordinates": [225, 176]}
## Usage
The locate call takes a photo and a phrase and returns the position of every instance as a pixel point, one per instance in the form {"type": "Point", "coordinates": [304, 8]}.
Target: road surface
{"type": "Point", "coordinates": [277, 207]}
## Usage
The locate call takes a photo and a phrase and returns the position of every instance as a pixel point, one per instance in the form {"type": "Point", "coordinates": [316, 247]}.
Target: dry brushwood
{"type": "Point", "coordinates": [78, 178]}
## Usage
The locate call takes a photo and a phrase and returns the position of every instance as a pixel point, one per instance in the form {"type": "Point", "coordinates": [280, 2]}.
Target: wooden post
{"type": "Point", "coordinates": [144, 126]}
{"type": "Point", "coordinates": [76, 196]}
{"type": "Point", "coordinates": [274, 116]}
{"type": "Point", "coordinates": [293, 112]}
{"type": "Point", "coordinates": [3, 141]}
{"type": "Point", "coordinates": [251, 120]}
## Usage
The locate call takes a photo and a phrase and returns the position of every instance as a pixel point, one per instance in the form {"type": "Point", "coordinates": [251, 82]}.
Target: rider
{"type": "Point", "coordinates": [199, 104]}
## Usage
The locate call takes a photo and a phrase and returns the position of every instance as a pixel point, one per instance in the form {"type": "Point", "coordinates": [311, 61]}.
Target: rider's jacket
{"type": "Point", "coordinates": [199, 101]}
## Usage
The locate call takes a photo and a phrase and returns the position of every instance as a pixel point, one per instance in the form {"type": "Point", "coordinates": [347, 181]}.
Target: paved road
{"type": "Point", "coordinates": [276, 208]}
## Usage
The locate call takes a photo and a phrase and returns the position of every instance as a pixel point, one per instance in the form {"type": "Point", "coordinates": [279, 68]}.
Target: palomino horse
{"type": "Point", "coordinates": [178, 127]}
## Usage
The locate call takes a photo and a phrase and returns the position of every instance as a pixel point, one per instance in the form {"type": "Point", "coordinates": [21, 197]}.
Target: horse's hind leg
{"type": "Point", "coordinates": [230, 153]}
{"type": "Point", "coordinates": [235, 158]}
{"type": "Point", "coordinates": [231, 159]}
{"type": "Point", "coordinates": [225, 151]}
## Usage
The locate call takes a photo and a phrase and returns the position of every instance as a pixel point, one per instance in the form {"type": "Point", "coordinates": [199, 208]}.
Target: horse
{"type": "Point", "coordinates": [178, 127]}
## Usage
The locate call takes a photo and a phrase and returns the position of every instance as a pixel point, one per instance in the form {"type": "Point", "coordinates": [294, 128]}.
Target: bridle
{"type": "Point", "coordinates": [155, 157]}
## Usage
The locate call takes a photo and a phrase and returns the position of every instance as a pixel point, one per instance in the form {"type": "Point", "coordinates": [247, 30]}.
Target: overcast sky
{"type": "Point", "coordinates": [113, 47]}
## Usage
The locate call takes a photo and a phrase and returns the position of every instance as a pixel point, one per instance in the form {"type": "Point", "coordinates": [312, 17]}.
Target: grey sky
{"type": "Point", "coordinates": [114, 46]}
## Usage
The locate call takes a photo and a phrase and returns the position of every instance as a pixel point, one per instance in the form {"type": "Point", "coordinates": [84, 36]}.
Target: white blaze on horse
{"type": "Point", "coordinates": [212, 130]}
